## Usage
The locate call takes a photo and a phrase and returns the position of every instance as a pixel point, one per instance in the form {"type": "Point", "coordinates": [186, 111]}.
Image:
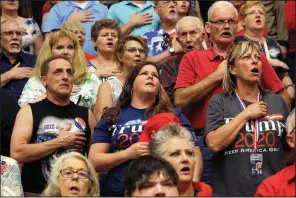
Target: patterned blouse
{"type": "Point", "coordinates": [11, 184]}
{"type": "Point", "coordinates": [93, 69]}
{"type": "Point", "coordinates": [30, 29]}
{"type": "Point", "coordinates": [85, 97]}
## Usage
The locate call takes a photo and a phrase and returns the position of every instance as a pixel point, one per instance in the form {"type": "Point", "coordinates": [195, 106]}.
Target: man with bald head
{"type": "Point", "coordinates": [201, 73]}
{"type": "Point", "coordinates": [190, 34]}
{"type": "Point", "coordinates": [15, 65]}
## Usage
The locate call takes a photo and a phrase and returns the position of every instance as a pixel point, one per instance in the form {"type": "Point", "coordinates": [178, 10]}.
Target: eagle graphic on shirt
{"type": "Point", "coordinates": [48, 129]}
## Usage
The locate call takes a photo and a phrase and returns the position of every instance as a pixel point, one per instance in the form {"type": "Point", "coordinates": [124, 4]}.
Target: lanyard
{"type": "Point", "coordinates": [255, 122]}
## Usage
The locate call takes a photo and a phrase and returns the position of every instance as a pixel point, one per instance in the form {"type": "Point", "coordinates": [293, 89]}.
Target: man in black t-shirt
{"type": "Point", "coordinates": [47, 129]}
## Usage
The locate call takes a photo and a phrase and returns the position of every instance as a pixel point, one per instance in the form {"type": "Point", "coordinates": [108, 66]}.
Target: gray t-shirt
{"type": "Point", "coordinates": [231, 168]}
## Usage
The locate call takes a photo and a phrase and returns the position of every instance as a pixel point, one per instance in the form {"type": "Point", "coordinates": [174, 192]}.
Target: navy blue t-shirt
{"type": "Point", "coordinates": [121, 135]}
{"type": "Point", "coordinates": [14, 88]}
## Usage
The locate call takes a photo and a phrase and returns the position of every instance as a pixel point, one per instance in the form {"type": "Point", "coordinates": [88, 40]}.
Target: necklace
{"type": "Point", "coordinates": [9, 17]}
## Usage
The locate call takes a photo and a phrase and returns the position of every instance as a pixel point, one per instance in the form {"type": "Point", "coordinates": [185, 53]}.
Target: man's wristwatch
{"type": "Point", "coordinates": [172, 51]}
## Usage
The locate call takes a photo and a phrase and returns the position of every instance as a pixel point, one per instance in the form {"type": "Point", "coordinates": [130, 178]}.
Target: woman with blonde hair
{"type": "Point", "coordinates": [63, 43]}
{"type": "Point", "coordinates": [253, 18]}
{"type": "Point", "coordinates": [244, 126]}
{"type": "Point", "coordinates": [72, 175]}
{"type": "Point", "coordinates": [129, 51]}
{"type": "Point", "coordinates": [77, 28]}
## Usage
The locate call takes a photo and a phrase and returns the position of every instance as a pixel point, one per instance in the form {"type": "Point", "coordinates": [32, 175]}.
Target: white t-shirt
{"type": "Point", "coordinates": [140, 5]}
{"type": "Point", "coordinates": [82, 5]}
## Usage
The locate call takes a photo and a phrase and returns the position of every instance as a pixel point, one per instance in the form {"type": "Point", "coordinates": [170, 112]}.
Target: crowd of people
{"type": "Point", "coordinates": [148, 98]}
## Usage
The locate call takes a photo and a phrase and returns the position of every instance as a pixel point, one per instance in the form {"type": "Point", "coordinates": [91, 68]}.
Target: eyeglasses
{"type": "Point", "coordinates": [223, 22]}
{"type": "Point", "coordinates": [133, 50]}
{"type": "Point", "coordinates": [166, 41]}
{"type": "Point", "coordinates": [68, 173]}
{"type": "Point", "coordinates": [11, 33]}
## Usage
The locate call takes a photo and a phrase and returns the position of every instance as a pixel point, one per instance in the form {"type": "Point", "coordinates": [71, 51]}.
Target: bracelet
{"type": "Point", "coordinates": [290, 86]}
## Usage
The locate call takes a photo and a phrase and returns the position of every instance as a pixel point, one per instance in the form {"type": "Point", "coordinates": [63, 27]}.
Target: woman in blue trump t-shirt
{"type": "Point", "coordinates": [115, 140]}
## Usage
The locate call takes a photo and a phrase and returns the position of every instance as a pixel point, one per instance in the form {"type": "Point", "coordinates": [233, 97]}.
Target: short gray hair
{"type": "Point", "coordinates": [158, 144]}
{"type": "Point", "coordinates": [53, 188]}
{"type": "Point", "coordinates": [290, 122]}
{"type": "Point", "coordinates": [198, 22]}
{"type": "Point", "coordinates": [219, 4]}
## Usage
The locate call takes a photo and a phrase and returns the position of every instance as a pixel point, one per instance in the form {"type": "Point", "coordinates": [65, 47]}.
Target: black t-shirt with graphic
{"type": "Point", "coordinates": [231, 168]}
{"type": "Point", "coordinates": [49, 121]}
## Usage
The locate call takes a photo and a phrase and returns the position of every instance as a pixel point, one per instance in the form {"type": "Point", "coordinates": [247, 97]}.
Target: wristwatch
{"type": "Point", "coordinates": [172, 51]}
{"type": "Point", "coordinates": [291, 85]}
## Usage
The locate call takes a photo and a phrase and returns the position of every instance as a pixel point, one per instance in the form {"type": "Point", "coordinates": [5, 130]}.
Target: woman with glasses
{"type": "Point", "coordinates": [115, 140]}
{"type": "Point", "coordinates": [244, 126]}
{"type": "Point", "coordinates": [72, 175]}
{"type": "Point", "coordinates": [63, 43]}
{"type": "Point", "coordinates": [129, 51]}
{"type": "Point", "coordinates": [31, 35]}
{"type": "Point", "coordinates": [253, 18]}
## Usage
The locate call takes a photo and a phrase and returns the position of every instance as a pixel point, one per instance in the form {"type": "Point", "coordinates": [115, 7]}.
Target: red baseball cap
{"type": "Point", "coordinates": [155, 123]}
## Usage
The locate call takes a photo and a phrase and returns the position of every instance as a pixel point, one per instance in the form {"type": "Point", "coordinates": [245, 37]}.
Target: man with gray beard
{"type": "Point", "coordinates": [15, 65]}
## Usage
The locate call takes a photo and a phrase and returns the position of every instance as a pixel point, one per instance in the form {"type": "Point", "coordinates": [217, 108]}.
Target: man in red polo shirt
{"type": "Point", "coordinates": [283, 183]}
{"type": "Point", "coordinates": [201, 73]}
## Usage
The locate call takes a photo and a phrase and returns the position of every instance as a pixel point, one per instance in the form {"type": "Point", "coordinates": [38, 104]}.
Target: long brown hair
{"type": "Point", "coordinates": [160, 105]}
